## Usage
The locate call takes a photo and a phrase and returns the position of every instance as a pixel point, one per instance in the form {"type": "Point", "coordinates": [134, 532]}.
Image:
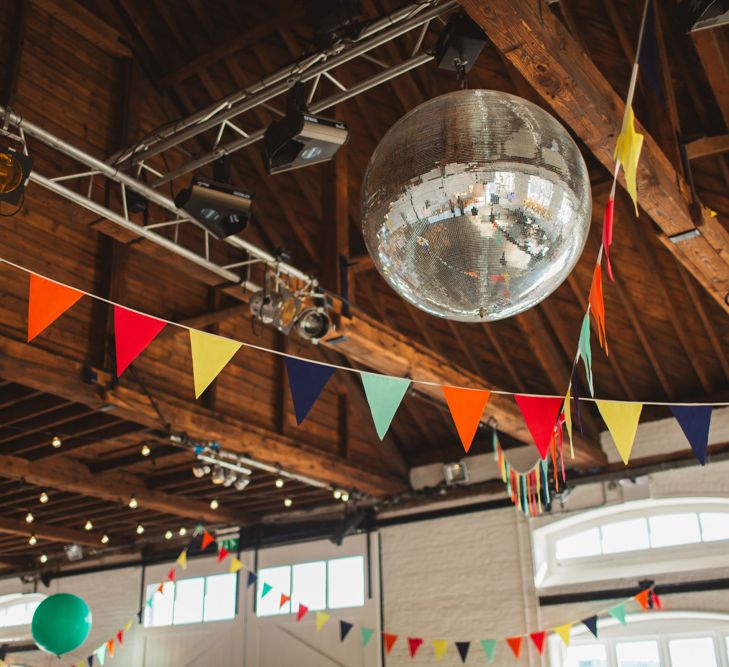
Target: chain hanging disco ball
{"type": "Point", "coordinates": [476, 205]}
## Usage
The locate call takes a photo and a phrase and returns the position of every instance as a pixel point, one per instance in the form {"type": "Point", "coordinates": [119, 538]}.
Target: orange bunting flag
{"type": "Point", "coordinates": [538, 639]}
{"type": "Point", "coordinates": [47, 301]}
{"type": "Point", "coordinates": [207, 540]}
{"type": "Point", "coordinates": [642, 599]}
{"type": "Point", "coordinates": [597, 306]}
{"type": "Point", "coordinates": [466, 406]}
{"type": "Point", "coordinates": [161, 589]}
{"type": "Point", "coordinates": [283, 600]}
{"type": "Point", "coordinates": [133, 332]}
{"type": "Point", "coordinates": [303, 610]}
{"type": "Point", "coordinates": [515, 645]}
{"type": "Point", "coordinates": [110, 648]}
{"type": "Point", "coordinates": [222, 554]}
{"type": "Point", "coordinates": [540, 414]}
{"type": "Point", "coordinates": [389, 641]}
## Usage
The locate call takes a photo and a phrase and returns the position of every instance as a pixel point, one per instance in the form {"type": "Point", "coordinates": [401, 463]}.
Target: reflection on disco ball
{"type": "Point", "coordinates": [476, 205]}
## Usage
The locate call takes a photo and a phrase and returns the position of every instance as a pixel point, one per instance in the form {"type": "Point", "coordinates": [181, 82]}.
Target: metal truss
{"type": "Point", "coordinates": [125, 167]}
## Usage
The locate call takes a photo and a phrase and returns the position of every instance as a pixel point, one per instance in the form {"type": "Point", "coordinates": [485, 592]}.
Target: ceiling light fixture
{"type": "Point", "coordinates": [133, 504]}
{"type": "Point", "coordinates": [200, 470]}
{"type": "Point", "coordinates": [279, 483]}
{"type": "Point", "coordinates": [230, 479]}
{"type": "Point", "coordinates": [56, 442]}
{"type": "Point", "coordinates": [32, 540]}
{"type": "Point", "coordinates": [29, 518]}
{"type": "Point", "coordinates": [288, 502]}
{"type": "Point", "coordinates": [241, 483]}
{"type": "Point", "coordinates": [43, 558]}
{"type": "Point", "coordinates": [146, 451]}
{"type": "Point", "coordinates": [105, 539]}
{"type": "Point", "coordinates": [168, 535]}
{"type": "Point", "coordinates": [337, 493]}
{"type": "Point", "coordinates": [43, 497]}
{"type": "Point", "coordinates": [88, 525]}
{"type": "Point", "coordinates": [183, 532]}
{"type": "Point", "coordinates": [140, 529]}
{"type": "Point", "coordinates": [14, 173]}
{"type": "Point", "coordinates": [218, 475]}
{"type": "Point", "coordinates": [214, 504]}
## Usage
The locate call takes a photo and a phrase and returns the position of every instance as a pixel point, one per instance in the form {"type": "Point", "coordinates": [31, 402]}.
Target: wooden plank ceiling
{"type": "Point", "coordinates": [101, 75]}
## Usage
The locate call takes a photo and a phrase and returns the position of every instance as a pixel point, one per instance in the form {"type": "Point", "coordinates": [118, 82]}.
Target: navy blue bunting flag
{"type": "Point", "coordinates": [462, 648]}
{"type": "Point", "coordinates": [576, 393]}
{"type": "Point", "coordinates": [344, 629]}
{"type": "Point", "coordinates": [252, 578]}
{"type": "Point", "coordinates": [90, 660]}
{"type": "Point", "coordinates": [306, 381]}
{"type": "Point", "coordinates": [695, 421]}
{"type": "Point", "coordinates": [591, 624]}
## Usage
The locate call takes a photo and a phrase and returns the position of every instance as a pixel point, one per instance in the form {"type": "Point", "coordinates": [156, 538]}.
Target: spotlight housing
{"type": "Point", "coordinates": [14, 174]}
{"type": "Point", "coordinates": [218, 475]}
{"type": "Point", "coordinates": [460, 43]}
{"type": "Point", "coordinates": [279, 308]}
{"type": "Point", "coordinates": [300, 138]}
{"type": "Point", "coordinates": [313, 324]}
{"type": "Point", "coordinates": [241, 483]}
{"type": "Point", "coordinates": [200, 470]}
{"type": "Point", "coordinates": [220, 208]}
{"type": "Point", "coordinates": [230, 479]}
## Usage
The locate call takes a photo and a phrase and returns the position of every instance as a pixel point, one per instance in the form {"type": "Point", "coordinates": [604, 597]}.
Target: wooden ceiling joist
{"type": "Point", "coordinates": [558, 69]}
{"type": "Point", "coordinates": [50, 533]}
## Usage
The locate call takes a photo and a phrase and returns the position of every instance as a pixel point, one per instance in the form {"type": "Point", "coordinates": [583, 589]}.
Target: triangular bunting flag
{"type": "Point", "coordinates": [267, 588]}
{"type": "Point", "coordinates": [110, 648]}
{"type": "Point", "coordinates": [591, 624]}
{"type": "Point", "coordinates": [384, 395]}
{"type": "Point", "coordinates": [132, 333]}
{"type": "Point", "coordinates": [47, 301]}
{"type": "Point", "coordinates": [160, 589]}
{"type": "Point", "coordinates": [462, 648]}
{"type": "Point", "coordinates": [607, 235]}
{"type": "Point", "coordinates": [568, 419]}
{"type": "Point", "coordinates": [223, 553]}
{"type": "Point", "coordinates": [466, 406]}
{"type": "Point", "coordinates": [365, 635]}
{"type": "Point", "coordinates": [120, 637]}
{"type": "Point", "coordinates": [538, 639]}
{"type": "Point", "coordinates": [389, 641]}
{"type": "Point", "coordinates": [618, 613]}
{"type": "Point", "coordinates": [540, 415]}
{"type": "Point", "coordinates": [627, 150]}
{"type": "Point", "coordinates": [252, 578]}
{"type": "Point", "coordinates": [210, 355]}
{"type": "Point", "coordinates": [101, 655]}
{"type": "Point", "coordinates": [414, 643]}
{"type": "Point", "coordinates": [235, 565]}
{"type": "Point", "coordinates": [344, 628]}
{"type": "Point", "coordinates": [597, 306]}
{"type": "Point", "coordinates": [515, 645]}
{"type": "Point", "coordinates": [207, 540]}
{"type": "Point", "coordinates": [695, 421]}
{"type": "Point", "coordinates": [283, 600]}
{"type": "Point", "coordinates": [303, 610]}
{"type": "Point", "coordinates": [586, 351]}
{"type": "Point", "coordinates": [90, 660]}
{"type": "Point", "coordinates": [621, 418]}
{"type": "Point", "coordinates": [321, 620]}
{"type": "Point", "coordinates": [564, 632]}
{"type": "Point", "coordinates": [171, 574]}
{"type": "Point", "coordinates": [128, 624]}
{"type": "Point", "coordinates": [489, 648]}
{"type": "Point", "coordinates": [440, 646]}
{"type": "Point", "coordinates": [642, 599]}
{"type": "Point", "coordinates": [182, 559]}
{"type": "Point", "coordinates": [306, 381]}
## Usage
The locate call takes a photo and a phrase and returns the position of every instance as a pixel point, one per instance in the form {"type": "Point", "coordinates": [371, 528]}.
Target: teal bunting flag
{"type": "Point", "coordinates": [366, 635]}
{"type": "Point", "coordinates": [489, 648]}
{"type": "Point", "coordinates": [266, 590]}
{"type": "Point", "coordinates": [618, 613]}
{"type": "Point", "coordinates": [586, 352]}
{"type": "Point", "coordinates": [384, 395]}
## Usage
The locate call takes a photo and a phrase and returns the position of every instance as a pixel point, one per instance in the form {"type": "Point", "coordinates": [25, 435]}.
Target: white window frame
{"type": "Point", "coordinates": [550, 571]}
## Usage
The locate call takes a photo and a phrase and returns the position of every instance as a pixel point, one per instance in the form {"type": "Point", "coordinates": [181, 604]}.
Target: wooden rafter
{"type": "Point", "coordinates": [51, 533]}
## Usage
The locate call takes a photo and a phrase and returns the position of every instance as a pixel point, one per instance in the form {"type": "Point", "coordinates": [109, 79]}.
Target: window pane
{"type": "Point", "coordinates": [586, 543]}
{"type": "Point", "coordinates": [590, 655]}
{"type": "Point", "coordinates": [346, 582]}
{"type": "Point", "coordinates": [160, 611]}
{"type": "Point", "coordinates": [692, 652]}
{"type": "Point", "coordinates": [188, 601]}
{"type": "Point", "coordinates": [672, 529]}
{"type": "Point", "coordinates": [16, 614]}
{"type": "Point", "coordinates": [629, 535]}
{"type": "Point", "coordinates": [714, 526]}
{"type": "Point", "coordinates": [309, 585]}
{"type": "Point", "coordinates": [637, 654]}
{"type": "Point", "coordinates": [280, 579]}
{"type": "Point", "coordinates": [220, 591]}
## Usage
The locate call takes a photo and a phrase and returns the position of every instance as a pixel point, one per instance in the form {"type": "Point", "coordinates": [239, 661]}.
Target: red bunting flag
{"type": "Point", "coordinates": [414, 643]}
{"type": "Point", "coordinates": [283, 600]}
{"type": "Point", "coordinates": [538, 639]}
{"type": "Point", "coordinates": [515, 645]}
{"type": "Point", "coordinates": [607, 235]}
{"type": "Point", "coordinates": [597, 306]}
{"type": "Point", "coordinates": [171, 574]}
{"type": "Point", "coordinates": [303, 609]}
{"type": "Point", "coordinates": [466, 406]}
{"type": "Point", "coordinates": [642, 598]}
{"type": "Point", "coordinates": [222, 554]}
{"type": "Point", "coordinates": [389, 641]}
{"type": "Point", "coordinates": [540, 414]}
{"type": "Point", "coordinates": [207, 540]}
{"type": "Point", "coordinates": [132, 333]}
{"type": "Point", "coordinates": [47, 301]}
{"type": "Point", "coordinates": [120, 637]}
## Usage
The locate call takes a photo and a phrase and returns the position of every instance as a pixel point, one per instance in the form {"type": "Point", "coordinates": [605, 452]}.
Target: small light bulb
{"type": "Point", "coordinates": [133, 504]}
{"type": "Point", "coordinates": [345, 497]}
{"type": "Point", "coordinates": [168, 535]}
{"type": "Point", "coordinates": [56, 442]}
{"type": "Point", "coordinates": [140, 529]}
{"type": "Point", "coordinates": [183, 532]}
{"type": "Point", "coordinates": [43, 497]}
{"type": "Point", "coordinates": [337, 494]}
{"type": "Point", "coordinates": [214, 504]}
{"type": "Point", "coordinates": [32, 540]}
{"type": "Point", "coordinates": [146, 451]}
{"type": "Point", "coordinates": [279, 483]}
{"type": "Point", "coordinates": [105, 539]}
{"type": "Point", "coordinates": [88, 525]}
{"type": "Point", "coordinates": [29, 518]}
{"type": "Point", "coordinates": [288, 502]}
{"type": "Point", "coordinates": [43, 558]}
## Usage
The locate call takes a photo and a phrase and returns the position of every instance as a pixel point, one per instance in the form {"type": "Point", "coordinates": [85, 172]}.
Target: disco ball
{"type": "Point", "coordinates": [476, 205]}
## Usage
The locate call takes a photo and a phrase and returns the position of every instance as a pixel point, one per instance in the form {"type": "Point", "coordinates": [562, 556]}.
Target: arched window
{"type": "Point", "coordinates": [16, 613]}
{"type": "Point", "coordinates": [640, 538]}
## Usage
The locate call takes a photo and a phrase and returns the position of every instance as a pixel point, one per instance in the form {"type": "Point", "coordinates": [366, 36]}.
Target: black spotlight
{"type": "Point", "coordinates": [222, 209]}
{"type": "Point", "coordinates": [459, 44]}
{"type": "Point", "coordinates": [703, 14]}
{"type": "Point", "coordinates": [14, 173]}
{"type": "Point", "coordinates": [300, 138]}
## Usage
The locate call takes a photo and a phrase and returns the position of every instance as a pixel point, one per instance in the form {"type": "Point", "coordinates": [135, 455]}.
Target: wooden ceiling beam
{"type": "Point", "coordinates": [51, 533]}
{"type": "Point", "coordinates": [706, 146]}
{"type": "Point", "coordinates": [553, 63]}
{"type": "Point", "coordinates": [712, 47]}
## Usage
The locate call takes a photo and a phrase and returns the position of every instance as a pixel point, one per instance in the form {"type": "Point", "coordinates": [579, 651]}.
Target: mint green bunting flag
{"type": "Point", "coordinates": [585, 351]}
{"type": "Point", "coordinates": [366, 635]}
{"type": "Point", "coordinates": [384, 395]}
{"type": "Point", "coordinates": [101, 654]}
{"type": "Point", "coordinates": [489, 648]}
{"type": "Point", "coordinates": [618, 613]}
{"type": "Point", "coordinates": [266, 589]}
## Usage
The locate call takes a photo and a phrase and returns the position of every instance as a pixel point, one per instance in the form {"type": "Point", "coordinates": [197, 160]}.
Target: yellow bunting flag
{"type": "Point", "coordinates": [621, 418]}
{"type": "Point", "coordinates": [627, 150]}
{"type": "Point", "coordinates": [210, 354]}
{"type": "Point", "coordinates": [568, 419]}
{"type": "Point", "coordinates": [235, 565]}
{"type": "Point", "coordinates": [182, 559]}
{"type": "Point", "coordinates": [128, 625]}
{"type": "Point", "coordinates": [440, 646]}
{"type": "Point", "coordinates": [564, 632]}
{"type": "Point", "coordinates": [321, 620]}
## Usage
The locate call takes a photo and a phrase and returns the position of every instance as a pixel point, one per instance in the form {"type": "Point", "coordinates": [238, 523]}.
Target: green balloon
{"type": "Point", "coordinates": [61, 623]}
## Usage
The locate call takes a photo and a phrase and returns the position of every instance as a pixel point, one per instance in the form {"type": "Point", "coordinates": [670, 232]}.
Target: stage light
{"type": "Point", "coordinates": [218, 475]}
{"type": "Point", "coordinates": [337, 494]}
{"type": "Point", "coordinates": [74, 552]}
{"type": "Point", "coordinates": [459, 44]}
{"type": "Point", "coordinates": [220, 208]}
{"type": "Point", "coordinates": [105, 539]}
{"type": "Point", "coordinates": [288, 502]}
{"type": "Point", "coordinates": [279, 483]}
{"type": "Point", "coordinates": [56, 442]}
{"type": "Point", "coordinates": [182, 532]}
{"type": "Point", "coordinates": [32, 540]}
{"type": "Point", "coordinates": [88, 525]}
{"type": "Point", "coordinates": [43, 497]}
{"type": "Point", "coordinates": [301, 138]}
{"type": "Point", "coordinates": [455, 473]}
{"type": "Point", "coordinates": [14, 173]}
{"type": "Point", "coordinates": [242, 483]}
{"type": "Point", "coordinates": [214, 504]}
{"type": "Point", "coordinates": [29, 518]}
{"type": "Point", "coordinates": [133, 504]}
{"type": "Point", "coordinates": [43, 558]}
{"type": "Point", "coordinates": [146, 451]}
{"type": "Point", "coordinates": [140, 529]}
{"type": "Point", "coordinates": [345, 497]}
{"type": "Point", "coordinates": [230, 479]}
{"type": "Point", "coordinates": [279, 308]}
{"type": "Point", "coordinates": [200, 470]}
{"type": "Point", "coordinates": [168, 535]}
{"type": "Point", "coordinates": [313, 323]}
{"type": "Point", "coordinates": [703, 14]}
